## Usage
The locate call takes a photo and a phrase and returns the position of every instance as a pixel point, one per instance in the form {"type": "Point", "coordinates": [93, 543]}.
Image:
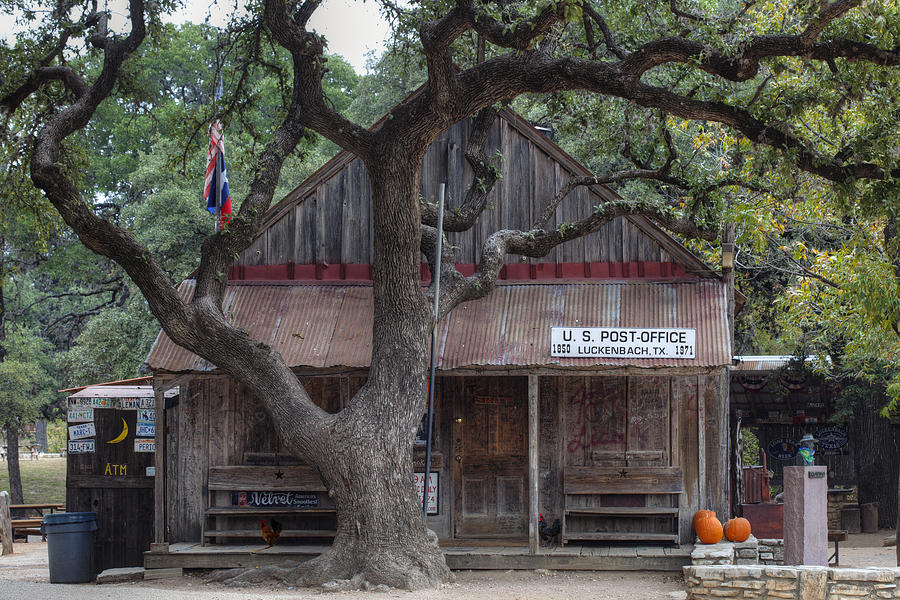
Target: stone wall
{"type": "Point", "coordinates": [751, 552]}
{"type": "Point", "coordinates": [713, 582]}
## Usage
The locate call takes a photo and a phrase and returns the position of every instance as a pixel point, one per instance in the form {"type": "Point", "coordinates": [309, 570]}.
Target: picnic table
{"type": "Point", "coordinates": [32, 525]}
{"type": "Point", "coordinates": [30, 449]}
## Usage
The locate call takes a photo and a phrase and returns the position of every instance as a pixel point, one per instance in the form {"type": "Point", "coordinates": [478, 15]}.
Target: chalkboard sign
{"type": "Point", "coordinates": [275, 499]}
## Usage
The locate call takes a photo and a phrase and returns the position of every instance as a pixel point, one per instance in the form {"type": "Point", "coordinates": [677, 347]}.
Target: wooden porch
{"type": "Point", "coordinates": [571, 557]}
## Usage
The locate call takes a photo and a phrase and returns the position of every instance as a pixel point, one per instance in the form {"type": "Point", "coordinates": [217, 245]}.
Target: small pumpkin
{"type": "Point", "coordinates": [709, 530]}
{"type": "Point", "coordinates": [701, 514]}
{"type": "Point", "coordinates": [737, 530]}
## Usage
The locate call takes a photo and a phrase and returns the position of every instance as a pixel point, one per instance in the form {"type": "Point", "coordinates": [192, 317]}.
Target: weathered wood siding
{"type": "Point", "coordinates": [636, 421]}
{"type": "Point", "coordinates": [480, 435]}
{"type": "Point", "coordinates": [113, 483]}
{"type": "Point", "coordinates": [332, 222]}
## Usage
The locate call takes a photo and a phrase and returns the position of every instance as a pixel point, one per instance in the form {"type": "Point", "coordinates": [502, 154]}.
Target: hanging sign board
{"type": "Point", "coordinates": [622, 342]}
{"type": "Point", "coordinates": [85, 430]}
{"type": "Point", "coordinates": [432, 490]}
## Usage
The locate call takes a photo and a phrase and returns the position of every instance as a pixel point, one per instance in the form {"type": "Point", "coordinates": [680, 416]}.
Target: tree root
{"type": "Point", "coordinates": [336, 570]}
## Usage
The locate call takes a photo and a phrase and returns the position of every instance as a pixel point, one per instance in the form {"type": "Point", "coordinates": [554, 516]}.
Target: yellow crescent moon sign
{"type": "Point", "coordinates": [122, 435]}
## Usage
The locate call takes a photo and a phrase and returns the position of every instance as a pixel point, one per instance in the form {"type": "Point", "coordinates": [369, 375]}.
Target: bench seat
{"type": "Point", "coordinates": [225, 519]}
{"type": "Point", "coordinates": [593, 498]}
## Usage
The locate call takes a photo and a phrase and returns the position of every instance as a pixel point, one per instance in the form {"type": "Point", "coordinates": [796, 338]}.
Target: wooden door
{"type": "Point", "coordinates": [490, 457]}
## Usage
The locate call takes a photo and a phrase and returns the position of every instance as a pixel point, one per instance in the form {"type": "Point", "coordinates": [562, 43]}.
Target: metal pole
{"type": "Point", "coordinates": [218, 184]}
{"type": "Point", "coordinates": [437, 297]}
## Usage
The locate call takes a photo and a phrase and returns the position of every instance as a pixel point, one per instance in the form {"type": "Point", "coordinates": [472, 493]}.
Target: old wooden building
{"type": "Point", "coordinates": [620, 448]}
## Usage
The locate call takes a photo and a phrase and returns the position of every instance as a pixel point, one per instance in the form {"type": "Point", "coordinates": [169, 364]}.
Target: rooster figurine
{"type": "Point", "coordinates": [549, 534]}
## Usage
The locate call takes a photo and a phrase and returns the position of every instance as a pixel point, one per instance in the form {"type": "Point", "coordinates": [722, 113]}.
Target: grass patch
{"type": "Point", "coordinates": [43, 480]}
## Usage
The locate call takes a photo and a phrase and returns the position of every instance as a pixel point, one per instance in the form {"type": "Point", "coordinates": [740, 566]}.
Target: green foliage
{"type": "Point", "coordinates": [750, 451]}
{"type": "Point", "coordinates": [25, 383]}
{"type": "Point", "coordinates": [57, 434]}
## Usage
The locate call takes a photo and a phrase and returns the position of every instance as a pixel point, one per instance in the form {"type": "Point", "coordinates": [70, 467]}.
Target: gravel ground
{"type": "Point", "coordinates": [24, 576]}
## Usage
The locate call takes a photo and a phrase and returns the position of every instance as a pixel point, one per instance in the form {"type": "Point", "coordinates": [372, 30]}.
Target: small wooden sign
{"type": "Point", "coordinates": [493, 400]}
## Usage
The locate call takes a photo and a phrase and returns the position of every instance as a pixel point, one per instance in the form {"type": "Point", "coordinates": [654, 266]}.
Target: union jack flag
{"type": "Point", "coordinates": [215, 190]}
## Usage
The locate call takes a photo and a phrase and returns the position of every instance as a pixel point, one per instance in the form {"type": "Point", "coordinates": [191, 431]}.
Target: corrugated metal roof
{"type": "Point", "coordinates": [120, 391]}
{"type": "Point", "coordinates": [764, 362]}
{"type": "Point", "coordinates": [323, 326]}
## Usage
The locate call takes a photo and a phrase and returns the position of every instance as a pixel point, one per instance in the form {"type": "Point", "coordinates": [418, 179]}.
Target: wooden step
{"type": "Point", "coordinates": [624, 511]}
{"type": "Point", "coordinates": [621, 536]}
{"type": "Point", "coordinates": [287, 533]}
{"type": "Point", "coordinates": [254, 511]}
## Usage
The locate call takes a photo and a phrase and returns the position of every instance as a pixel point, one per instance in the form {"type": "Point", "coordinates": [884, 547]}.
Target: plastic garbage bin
{"type": "Point", "coordinates": [70, 546]}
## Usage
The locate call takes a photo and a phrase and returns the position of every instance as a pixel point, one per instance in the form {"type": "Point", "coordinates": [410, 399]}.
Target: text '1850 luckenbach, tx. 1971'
{"type": "Point", "coordinates": [623, 342]}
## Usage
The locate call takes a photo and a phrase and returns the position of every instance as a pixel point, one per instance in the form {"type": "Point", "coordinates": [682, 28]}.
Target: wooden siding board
{"type": "Point", "coordinates": [305, 227]}
{"type": "Point", "coordinates": [333, 211]}
{"type": "Point", "coordinates": [544, 186]}
{"type": "Point", "coordinates": [280, 239]}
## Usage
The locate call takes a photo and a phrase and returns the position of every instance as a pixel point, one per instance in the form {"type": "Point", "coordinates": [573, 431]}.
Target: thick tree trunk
{"type": "Point", "coordinates": [12, 456]}
{"type": "Point", "coordinates": [365, 458]}
{"type": "Point", "coordinates": [877, 459]}
{"type": "Point", "coordinates": [368, 467]}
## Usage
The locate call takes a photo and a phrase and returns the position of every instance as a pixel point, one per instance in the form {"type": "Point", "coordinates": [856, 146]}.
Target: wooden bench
{"type": "Point", "coordinates": [623, 504]}
{"type": "Point", "coordinates": [25, 527]}
{"type": "Point", "coordinates": [235, 509]}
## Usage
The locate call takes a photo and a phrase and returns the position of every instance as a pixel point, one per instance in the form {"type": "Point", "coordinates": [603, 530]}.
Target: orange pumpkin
{"type": "Point", "coordinates": [701, 514]}
{"type": "Point", "coordinates": [709, 530]}
{"type": "Point", "coordinates": [737, 530]}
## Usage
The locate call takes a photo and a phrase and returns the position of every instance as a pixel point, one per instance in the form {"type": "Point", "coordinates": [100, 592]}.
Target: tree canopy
{"type": "Point", "coordinates": [698, 112]}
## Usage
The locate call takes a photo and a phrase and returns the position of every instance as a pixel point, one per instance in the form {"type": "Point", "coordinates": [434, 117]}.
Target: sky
{"type": "Point", "coordinates": [352, 28]}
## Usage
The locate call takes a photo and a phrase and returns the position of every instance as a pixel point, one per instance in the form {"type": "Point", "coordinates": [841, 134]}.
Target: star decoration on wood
{"type": "Point", "coordinates": [279, 474]}
{"type": "Point", "coordinates": [623, 473]}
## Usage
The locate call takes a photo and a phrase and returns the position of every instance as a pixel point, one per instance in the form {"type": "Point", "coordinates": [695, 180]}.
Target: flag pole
{"type": "Point", "coordinates": [437, 297]}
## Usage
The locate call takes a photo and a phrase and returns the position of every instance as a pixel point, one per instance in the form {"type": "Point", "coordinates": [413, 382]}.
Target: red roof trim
{"type": "Point", "coordinates": [357, 273]}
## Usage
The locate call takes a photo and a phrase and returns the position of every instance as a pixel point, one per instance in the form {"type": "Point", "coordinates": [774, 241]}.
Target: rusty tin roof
{"type": "Point", "coordinates": [329, 326]}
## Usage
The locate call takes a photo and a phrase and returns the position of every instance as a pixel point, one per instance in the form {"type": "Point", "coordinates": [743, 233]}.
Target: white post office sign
{"type": "Point", "coordinates": [623, 342]}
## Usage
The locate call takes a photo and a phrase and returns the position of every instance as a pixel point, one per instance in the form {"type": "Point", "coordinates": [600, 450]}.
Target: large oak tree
{"type": "Point", "coordinates": [777, 78]}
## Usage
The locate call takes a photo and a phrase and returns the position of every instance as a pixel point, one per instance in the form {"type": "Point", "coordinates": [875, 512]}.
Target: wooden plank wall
{"type": "Point", "coordinates": [216, 422]}
{"type": "Point", "coordinates": [583, 423]}
{"type": "Point", "coordinates": [333, 223]}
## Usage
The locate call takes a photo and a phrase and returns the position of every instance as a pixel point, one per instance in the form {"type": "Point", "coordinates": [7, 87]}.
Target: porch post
{"type": "Point", "coordinates": [159, 463]}
{"type": "Point", "coordinates": [533, 433]}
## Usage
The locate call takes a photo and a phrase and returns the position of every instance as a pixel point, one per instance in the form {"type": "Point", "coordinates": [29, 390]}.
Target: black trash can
{"type": "Point", "coordinates": [70, 546]}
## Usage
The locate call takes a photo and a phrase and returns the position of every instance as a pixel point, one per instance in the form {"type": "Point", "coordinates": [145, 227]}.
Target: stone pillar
{"type": "Point", "coordinates": [805, 516]}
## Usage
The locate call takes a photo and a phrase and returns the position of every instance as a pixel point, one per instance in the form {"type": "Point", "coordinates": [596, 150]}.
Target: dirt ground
{"type": "Point", "coordinates": [25, 576]}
